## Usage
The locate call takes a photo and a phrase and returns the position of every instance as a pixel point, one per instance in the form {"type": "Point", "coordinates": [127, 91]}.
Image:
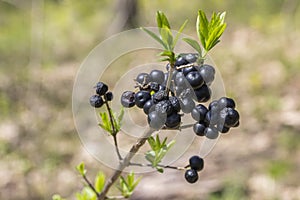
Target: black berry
{"type": "Point", "coordinates": [156, 120]}
{"type": "Point", "coordinates": [157, 76]}
{"type": "Point", "coordinates": [211, 132]}
{"type": "Point", "coordinates": [143, 78]}
{"type": "Point", "coordinates": [203, 93]}
{"type": "Point", "coordinates": [199, 128]}
{"type": "Point", "coordinates": [195, 79]}
{"type": "Point", "coordinates": [173, 120]}
{"type": "Point", "coordinates": [109, 96]}
{"type": "Point", "coordinates": [230, 116]}
{"type": "Point", "coordinates": [101, 88]}
{"type": "Point", "coordinates": [127, 99]}
{"type": "Point", "coordinates": [141, 98]}
{"type": "Point", "coordinates": [191, 176]}
{"type": "Point", "coordinates": [196, 163]}
{"type": "Point", "coordinates": [96, 101]}
{"type": "Point", "coordinates": [199, 112]}
{"type": "Point", "coordinates": [208, 73]}
{"type": "Point", "coordinates": [224, 102]}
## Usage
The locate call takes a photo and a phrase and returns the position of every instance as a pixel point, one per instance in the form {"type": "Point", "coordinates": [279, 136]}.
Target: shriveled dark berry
{"type": "Point", "coordinates": [159, 96]}
{"type": "Point", "coordinates": [173, 120]}
{"type": "Point", "coordinates": [191, 176]}
{"type": "Point", "coordinates": [96, 101]}
{"type": "Point", "coordinates": [154, 86]}
{"type": "Point", "coordinates": [109, 96]}
{"type": "Point", "coordinates": [208, 73]}
{"type": "Point", "coordinates": [127, 99]}
{"type": "Point", "coordinates": [164, 106]}
{"type": "Point", "coordinates": [196, 163]}
{"type": "Point", "coordinates": [101, 88]}
{"type": "Point", "coordinates": [141, 98]}
{"type": "Point", "coordinates": [157, 76]}
{"type": "Point", "coordinates": [199, 112]}
{"type": "Point", "coordinates": [211, 132]}
{"type": "Point", "coordinates": [199, 128]}
{"type": "Point", "coordinates": [175, 103]}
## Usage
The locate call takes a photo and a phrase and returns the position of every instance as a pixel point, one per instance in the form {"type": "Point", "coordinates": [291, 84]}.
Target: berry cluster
{"type": "Point", "coordinates": [190, 83]}
{"type": "Point", "coordinates": [220, 116]}
{"type": "Point", "coordinates": [101, 93]}
{"type": "Point", "coordinates": [152, 97]}
{"type": "Point", "coordinates": [196, 165]}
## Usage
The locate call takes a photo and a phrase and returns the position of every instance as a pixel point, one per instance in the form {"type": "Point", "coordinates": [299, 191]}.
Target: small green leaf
{"type": "Point", "coordinates": [167, 37]}
{"type": "Point", "coordinates": [202, 26]}
{"type": "Point", "coordinates": [160, 170]}
{"type": "Point", "coordinates": [127, 186]}
{"type": "Point", "coordinates": [155, 37]}
{"type": "Point", "coordinates": [179, 33]}
{"type": "Point", "coordinates": [99, 181]}
{"type": "Point", "coordinates": [81, 169]}
{"type": "Point", "coordinates": [106, 125]}
{"type": "Point", "coordinates": [57, 197]}
{"type": "Point", "coordinates": [162, 20]}
{"type": "Point", "coordinates": [193, 43]}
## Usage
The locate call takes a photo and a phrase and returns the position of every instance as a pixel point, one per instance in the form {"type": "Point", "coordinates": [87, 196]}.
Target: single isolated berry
{"type": "Point", "coordinates": [101, 88]}
{"type": "Point", "coordinates": [127, 99]}
{"type": "Point", "coordinates": [96, 101]}
{"type": "Point", "coordinates": [191, 176]}
{"type": "Point", "coordinates": [196, 163]}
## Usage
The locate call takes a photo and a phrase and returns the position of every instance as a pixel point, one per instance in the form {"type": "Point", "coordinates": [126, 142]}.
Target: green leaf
{"type": "Point", "coordinates": [106, 125]}
{"type": "Point", "coordinates": [202, 26]}
{"type": "Point", "coordinates": [214, 36]}
{"type": "Point", "coordinates": [193, 43]}
{"type": "Point", "coordinates": [127, 186]}
{"type": "Point", "coordinates": [81, 169]}
{"type": "Point", "coordinates": [99, 181]}
{"type": "Point", "coordinates": [179, 33]}
{"type": "Point", "coordinates": [155, 37]}
{"type": "Point", "coordinates": [162, 20]}
{"type": "Point", "coordinates": [167, 37]}
{"type": "Point", "coordinates": [160, 170]}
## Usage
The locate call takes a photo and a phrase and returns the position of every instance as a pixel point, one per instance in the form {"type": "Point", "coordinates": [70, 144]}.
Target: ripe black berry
{"type": "Point", "coordinates": [199, 128]}
{"type": "Point", "coordinates": [196, 163]}
{"type": "Point", "coordinates": [191, 176]}
{"type": "Point", "coordinates": [173, 120]}
{"type": "Point", "coordinates": [213, 104]}
{"type": "Point", "coordinates": [149, 106]}
{"type": "Point", "coordinates": [96, 101]}
{"type": "Point", "coordinates": [187, 105]}
{"type": "Point", "coordinates": [230, 116]}
{"type": "Point", "coordinates": [143, 78]}
{"type": "Point", "coordinates": [191, 57]}
{"type": "Point", "coordinates": [157, 76]}
{"type": "Point", "coordinates": [154, 86]}
{"type": "Point", "coordinates": [156, 120]}
{"type": "Point", "coordinates": [208, 73]}
{"type": "Point", "coordinates": [222, 128]}
{"type": "Point", "coordinates": [175, 103]}
{"type": "Point", "coordinates": [101, 88]}
{"type": "Point", "coordinates": [141, 98]}
{"type": "Point", "coordinates": [127, 99]}
{"type": "Point", "coordinates": [199, 112]}
{"type": "Point", "coordinates": [211, 117]}
{"type": "Point", "coordinates": [109, 96]}
{"type": "Point", "coordinates": [224, 102]}
{"type": "Point", "coordinates": [195, 79]}
{"type": "Point", "coordinates": [181, 61]}
{"type": "Point", "coordinates": [211, 132]}
{"type": "Point", "coordinates": [187, 70]}
{"type": "Point", "coordinates": [203, 93]}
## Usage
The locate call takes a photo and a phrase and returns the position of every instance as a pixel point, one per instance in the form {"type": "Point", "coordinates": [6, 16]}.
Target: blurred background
{"type": "Point", "coordinates": [43, 42]}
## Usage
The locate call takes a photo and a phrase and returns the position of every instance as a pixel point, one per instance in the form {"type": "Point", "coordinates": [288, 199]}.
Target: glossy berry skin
{"type": "Point", "coordinates": [196, 163]}
{"type": "Point", "coordinates": [109, 96]}
{"type": "Point", "coordinates": [230, 116]}
{"type": "Point", "coordinates": [156, 120]}
{"type": "Point", "coordinates": [173, 120]}
{"type": "Point", "coordinates": [143, 78]}
{"type": "Point", "coordinates": [211, 132]}
{"type": "Point", "coordinates": [211, 117]}
{"type": "Point", "coordinates": [180, 61]}
{"type": "Point", "coordinates": [224, 102]}
{"type": "Point", "coordinates": [191, 57]}
{"type": "Point", "coordinates": [222, 128]}
{"type": "Point", "coordinates": [157, 76]}
{"type": "Point", "coordinates": [199, 112]}
{"type": "Point", "coordinates": [191, 176]}
{"type": "Point", "coordinates": [203, 93]}
{"type": "Point", "coordinates": [127, 99]}
{"type": "Point", "coordinates": [141, 98]}
{"type": "Point", "coordinates": [154, 86]}
{"type": "Point", "coordinates": [187, 105]}
{"type": "Point", "coordinates": [101, 88]}
{"type": "Point", "coordinates": [213, 104]}
{"type": "Point", "coordinates": [195, 79]}
{"type": "Point", "coordinates": [208, 73]}
{"type": "Point", "coordinates": [149, 106]}
{"type": "Point", "coordinates": [96, 101]}
{"type": "Point", "coordinates": [199, 128]}
{"type": "Point", "coordinates": [187, 70]}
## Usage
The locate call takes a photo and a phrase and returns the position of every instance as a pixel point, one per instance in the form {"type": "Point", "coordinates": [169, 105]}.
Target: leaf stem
{"type": "Point", "coordinates": [125, 162]}
{"type": "Point", "coordinates": [90, 185]}
{"type": "Point", "coordinates": [159, 165]}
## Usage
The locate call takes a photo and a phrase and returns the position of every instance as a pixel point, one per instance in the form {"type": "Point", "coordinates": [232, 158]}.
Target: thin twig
{"type": "Point", "coordinates": [125, 162]}
{"type": "Point", "coordinates": [159, 165]}
{"type": "Point", "coordinates": [90, 185]}
{"type": "Point", "coordinates": [116, 147]}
